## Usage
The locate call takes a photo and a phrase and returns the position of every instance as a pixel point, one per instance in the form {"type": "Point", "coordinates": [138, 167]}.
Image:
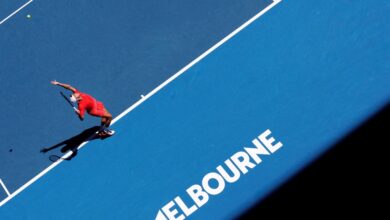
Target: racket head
{"type": "Point", "coordinates": [67, 99]}
{"type": "Point", "coordinates": [54, 158]}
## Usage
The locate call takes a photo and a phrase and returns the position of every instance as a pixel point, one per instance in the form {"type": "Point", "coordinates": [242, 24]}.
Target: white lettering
{"type": "Point", "coordinates": [171, 213]}
{"type": "Point", "coordinates": [242, 163]}
{"type": "Point", "coordinates": [268, 141]}
{"type": "Point", "coordinates": [259, 150]}
{"type": "Point", "coordinates": [225, 175]}
{"type": "Point", "coordinates": [206, 183]}
{"type": "Point", "coordinates": [187, 211]}
{"type": "Point", "coordinates": [197, 194]}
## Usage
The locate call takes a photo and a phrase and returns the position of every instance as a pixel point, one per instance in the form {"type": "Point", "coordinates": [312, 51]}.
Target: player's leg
{"type": "Point", "coordinates": [102, 126]}
{"type": "Point", "coordinates": [106, 119]}
{"type": "Point", "coordinates": [100, 111]}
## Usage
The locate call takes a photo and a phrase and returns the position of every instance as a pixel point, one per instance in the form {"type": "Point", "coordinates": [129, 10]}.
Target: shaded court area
{"type": "Point", "coordinates": [337, 178]}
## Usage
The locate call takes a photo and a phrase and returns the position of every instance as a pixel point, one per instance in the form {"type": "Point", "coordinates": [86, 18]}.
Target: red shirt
{"type": "Point", "coordinates": [87, 103]}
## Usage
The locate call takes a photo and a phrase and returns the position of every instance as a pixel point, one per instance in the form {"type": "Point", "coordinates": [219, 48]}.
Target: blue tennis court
{"type": "Point", "coordinates": [258, 88]}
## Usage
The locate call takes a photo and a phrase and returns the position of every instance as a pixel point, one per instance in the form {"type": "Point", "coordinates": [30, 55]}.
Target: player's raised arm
{"type": "Point", "coordinates": [66, 86]}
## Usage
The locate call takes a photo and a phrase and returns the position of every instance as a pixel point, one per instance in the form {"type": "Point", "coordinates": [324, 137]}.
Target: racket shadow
{"type": "Point", "coordinates": [72, 144]}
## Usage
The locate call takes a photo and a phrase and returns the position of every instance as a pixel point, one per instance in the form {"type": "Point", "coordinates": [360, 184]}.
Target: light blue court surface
{"type": "Point", "coordinates": [308, 71]}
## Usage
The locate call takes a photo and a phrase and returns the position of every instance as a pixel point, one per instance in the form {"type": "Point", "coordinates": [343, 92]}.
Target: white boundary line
{"type": "Point", "coordinates": [154, 91]}
{"type": "Point", "coordinates": [13, 13]}
{"type": "Point", "coordinates": [5, 188]}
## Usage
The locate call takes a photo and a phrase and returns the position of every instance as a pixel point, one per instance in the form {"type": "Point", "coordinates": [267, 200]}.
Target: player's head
{"type": "Point", "coordinates": [75, 97]}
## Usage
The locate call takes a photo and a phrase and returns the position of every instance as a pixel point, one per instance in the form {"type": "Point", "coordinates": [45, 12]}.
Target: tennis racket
{"type": "Point", "coordinates": [67, 99]}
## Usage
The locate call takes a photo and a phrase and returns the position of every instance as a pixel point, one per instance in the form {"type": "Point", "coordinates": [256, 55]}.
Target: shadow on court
{"type": "Point", "coordinates": [352, 172]}
{"type": "Point", "coordinates": [73, 143]}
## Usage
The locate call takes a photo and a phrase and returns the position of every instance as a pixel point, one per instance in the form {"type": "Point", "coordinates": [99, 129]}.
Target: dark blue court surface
{"type": "Point", "coordinates": [308, 71]}
{"type": "Point", "coordinates": [8, 7]}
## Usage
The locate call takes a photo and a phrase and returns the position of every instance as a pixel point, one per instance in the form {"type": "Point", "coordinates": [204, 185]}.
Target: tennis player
{"type": "Point", "coordinates": [86, 103]}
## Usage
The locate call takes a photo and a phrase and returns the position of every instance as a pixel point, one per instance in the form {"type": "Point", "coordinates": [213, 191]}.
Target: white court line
{"type": "Point", "coordinates": [154, 91]}
{"type": "Point", "coordinates": [5, 188]}
{"type": "Point", "coordinates": [13, 13]}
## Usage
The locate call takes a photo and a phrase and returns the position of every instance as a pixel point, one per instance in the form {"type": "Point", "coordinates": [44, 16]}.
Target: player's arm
{"type": "Point", "coordinates": [81, 116]}
{"type": "Point", "coordinates": [44, 150]}
{"type": "Point", "coordinates": [80, 112]}
{"type": "Point", "coordinates": [66, 86]}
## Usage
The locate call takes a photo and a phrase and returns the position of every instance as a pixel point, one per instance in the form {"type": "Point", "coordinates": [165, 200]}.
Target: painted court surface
{"type": "Point", "coordinates": [310, 72]}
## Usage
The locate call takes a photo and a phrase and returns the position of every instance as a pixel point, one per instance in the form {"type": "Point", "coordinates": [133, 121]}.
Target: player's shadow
{"type": "Point", "coordinates": [74, 142]}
